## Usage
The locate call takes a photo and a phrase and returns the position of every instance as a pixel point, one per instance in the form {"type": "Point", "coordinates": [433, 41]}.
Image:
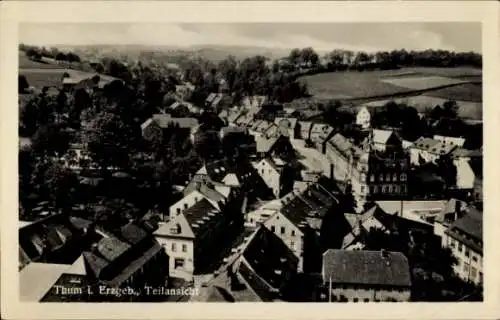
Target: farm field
{"type": "Point", "coordinates": [467, 92]}
{"type": "Point", "coordinates": [39, 78]}
{"type": "Point", "coordinates": [466, 109]}
{"type": "Point", "coordinates": [422, 82]}
{"type": "Point", "coordinates": [25, 63]}
{"type": "Point", "coordinates": [360, 87]}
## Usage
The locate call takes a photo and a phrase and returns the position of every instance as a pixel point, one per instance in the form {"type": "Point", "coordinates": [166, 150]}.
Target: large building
{"type": "Point", "coordinates": [365, 276]}
{"type": "Point", "coordinates": [465, 239]}
{"type": "Point", "coordinates": [374, 172]}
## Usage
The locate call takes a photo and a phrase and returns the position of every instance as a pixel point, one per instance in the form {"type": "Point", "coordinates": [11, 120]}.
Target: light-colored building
{"type": "Point", "coordinates": [365, 276]}
{"type": "Point", "coordinates": [465, 175]}
{"type": "Point", "coordinates": [465, 239]}
{"type": "Point", "coordinates": [456, 141]}
{"type": "Point", "coordinates": [426, 150]}
{"type": "Point", "coordinates": [271, 171]}
{"type": "Point", "coordinates": [383, 140]}
{"type": "Point", "coordinates": [193, 237]}
{"type": "Point", "coordinates": [363, 118]}
{"type": "Point", "coordinates": [453, 210]}
{"type": "Point", "coordinates": [373, 174]}
{"type": "Point", "coordinates": [190, 200]}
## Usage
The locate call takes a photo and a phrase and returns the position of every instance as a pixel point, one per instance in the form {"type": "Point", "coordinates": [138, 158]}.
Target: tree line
{"type": "Point", "coordinates": [340, 59]}
{"type": "Point", "coordinates": [37, 53]}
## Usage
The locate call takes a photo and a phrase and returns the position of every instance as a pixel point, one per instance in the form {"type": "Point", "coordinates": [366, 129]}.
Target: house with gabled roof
{"type": "Point", "coordinates": [320, 134]}
{"type": "Point", "coordinates": [383, 140]}
{"type": "Point", "coordinates": [290, 125]}
{"type": "Point", "coordinates": [267, 265]}
{"type": "Point", "coordinates": [159, 124]}
{"type": "Point", "coordinates": [426, 150]}
{"type": "Point", "coordinates": [273, 173]}
{"type": "Point", "coordinates": [300, 220]}
{"type": "Point", "coordinates": [278, 147]}
{"type": "Point", "coordinates": [465, 239]}
{"type": "Point", "coordinates": [193, 238]}
{"type": "Point", "coordinates": [365, 276]}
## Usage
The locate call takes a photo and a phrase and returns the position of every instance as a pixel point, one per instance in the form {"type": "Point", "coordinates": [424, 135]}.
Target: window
{"type": "Point", "coordinates": [178, 263]}
{"type": "Point", "coordinates": [251, 220]}
{"type": "Point", "coordinates": [390, 189]}
{"type": "Point", "coordinates": [375, 189]}
{"type": "Point", "coordinates": [355, 300]}
{"type": "Point", "coordinates": [195, 199]}
{"type": "Point", "coordinates": [467, 252]}
{"type": "Point", "coordinates": [388, 177]}
{"type": "Point", "coordinates": [474, 258]}
{"type": "Point", "coordinates": [184, 247]}
{"type": "Point", "coordinates": [366, 300]}
{"type": "Point", "coordinates": [178, 210]}
{"type": "Point", "coordinates": [466, 267]}
{"type": "Point", "coordinates": [282, 230]}
{"type": "Point", "coordinates": [396, 189]}
{"type": "Point", "coordinates": [384, 189]}
{"type": "Point", "coordinates": [372, 177]}
{"type": "Point", "coordinates": [460, 247]}
{"type": "Point", "coordinates": [292, 244]}
{"type": "Point", "coordinates": [473, 273]}
{"type": "Point", "coordinates": [394, 177]}
{"type": "Point", "coordinates": [481, 277]}
{"type": "Point", "coordinates": [185, 205]}
{"type": "Point", "coordinates": [174, 247]}
{"type": "Point", "coordinates": [381, 177]}
{"type": "Point", "coordinates": [403, 177]}
{"type": "Point", "coordinates": [273, 228]}
{"type": "Point", "coordinates": [362, 189]}
{"type": "Point", "coordinates": [293, 233]}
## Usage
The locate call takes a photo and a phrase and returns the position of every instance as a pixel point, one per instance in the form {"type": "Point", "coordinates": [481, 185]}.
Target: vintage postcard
{"type": "Point", "coordinates": [295, 160]}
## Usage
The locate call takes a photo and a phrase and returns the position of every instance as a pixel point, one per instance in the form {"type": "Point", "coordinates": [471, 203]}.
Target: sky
{"type": "Point", "coordinates": [457, 36]}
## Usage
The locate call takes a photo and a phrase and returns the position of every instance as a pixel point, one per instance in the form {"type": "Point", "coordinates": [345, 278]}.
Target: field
{"type": "Point", "coordinates": [466, 92]}
{"type": "Point", "coordinates": [40, 77]}
{"type": "Point", "coordinates": [422, 88]}
{"type": "Point", "coordinates": [25, 63]}
{"type": "Point", "coordinates": [422, 82]}
{"type": "Point", "coordinates": [466, 109]}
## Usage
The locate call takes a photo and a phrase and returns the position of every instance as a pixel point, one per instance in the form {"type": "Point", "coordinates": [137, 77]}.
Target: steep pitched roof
{"type": "Point", "coordinates": [269, 257]}
{"type": "Point", "coordinates": [366, 267]}
{"type": "Point", "coordinates": [264, 144]}
{"type": "Point", "coordinates": [471, 224]}
{"type": "Point", "coordinates": [381, 136]}
{"type": "Point", "coordinates": [178, 226]}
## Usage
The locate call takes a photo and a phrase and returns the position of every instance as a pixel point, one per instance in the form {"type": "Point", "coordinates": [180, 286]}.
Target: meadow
{"type": "Point", "coordinates": [354, 85]}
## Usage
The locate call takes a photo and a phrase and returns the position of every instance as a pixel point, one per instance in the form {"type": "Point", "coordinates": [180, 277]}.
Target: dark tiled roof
{"type": "Point", "coordinates": [366, 268]}
{"type": "Point", "coordinates": [269, 257]}
{"type": "Point", "coordinates": [111, 248]}
{"type": "Point", "coordinates": [133, 234]}
{"type": "Point", "coordinates": [198, 216]}
{"type": "Point", "coordinates": [471, 224]}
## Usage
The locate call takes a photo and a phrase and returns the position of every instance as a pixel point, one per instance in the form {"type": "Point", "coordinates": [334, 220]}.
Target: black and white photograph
{"type": "Point", "coordinates": [319, 162]}
{"type": "Point", "coordinates": [314, 164]}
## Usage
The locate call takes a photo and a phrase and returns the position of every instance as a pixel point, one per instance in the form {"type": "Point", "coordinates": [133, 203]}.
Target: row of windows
{"type": "Point", "coordinates": [283, 231]}
{"type": "Point", "coordinates": [388, 176]}
{"type": "Point", "coordinates": [385, 189]}
{"type": "Point", "coordinates": [463, 249]}
{"type": "Point", "coordinates": [174, 247]}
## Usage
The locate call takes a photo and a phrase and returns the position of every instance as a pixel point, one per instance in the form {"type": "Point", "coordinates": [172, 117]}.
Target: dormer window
{"type": "Point", "coordinates": [176, 229]}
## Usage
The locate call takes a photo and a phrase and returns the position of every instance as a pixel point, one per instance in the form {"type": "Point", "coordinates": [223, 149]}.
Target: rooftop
{"type": "Point", "coordinates": [433, 146]}
{"type": "Point", "coordinates": [269, 257]}
{"type": "Point", "coordinates": [366, 268]}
